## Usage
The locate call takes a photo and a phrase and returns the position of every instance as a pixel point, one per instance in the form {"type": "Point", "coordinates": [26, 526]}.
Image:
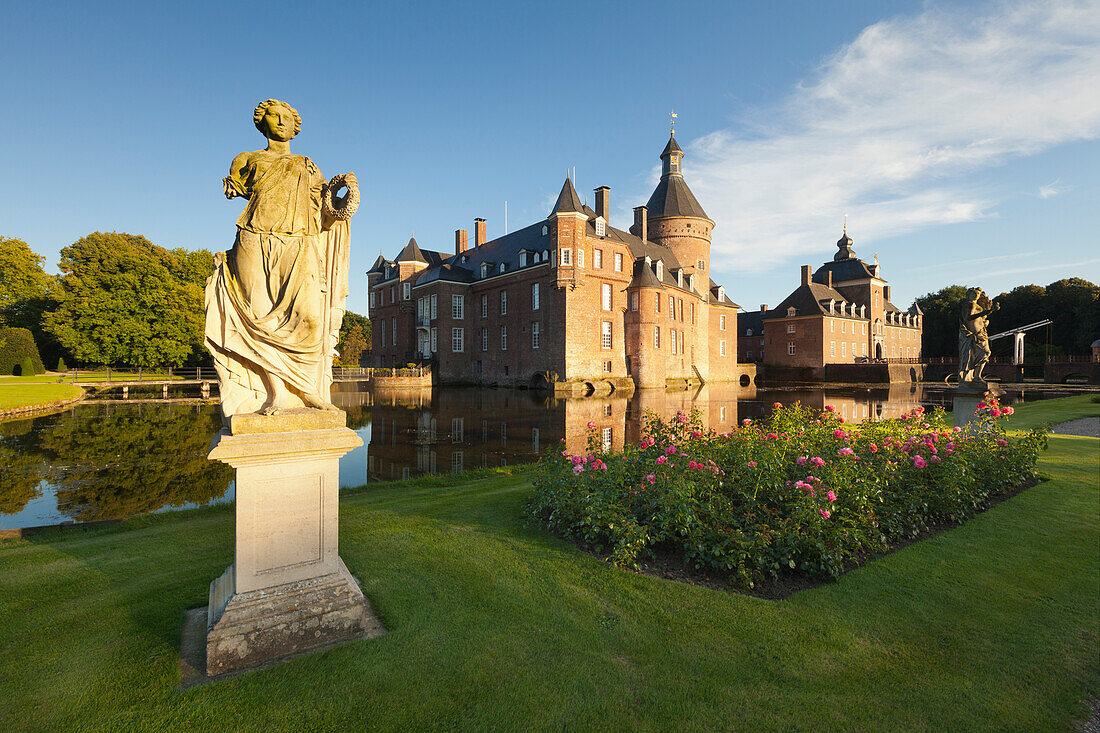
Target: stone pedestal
{"type": "Point", "coordinates": [287, 590]}
{"type": "Point", "coordinates": [965, 399]}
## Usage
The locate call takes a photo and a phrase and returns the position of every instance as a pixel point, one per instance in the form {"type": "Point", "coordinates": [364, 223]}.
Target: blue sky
{"type": "Point", "coordinates": [961, 138]}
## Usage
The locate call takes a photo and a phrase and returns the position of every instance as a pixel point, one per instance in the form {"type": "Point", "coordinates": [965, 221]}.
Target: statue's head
{"type": "Point", "coordinates": [277, 120]}
{"type": "Point", "coordinates": [973, 293]}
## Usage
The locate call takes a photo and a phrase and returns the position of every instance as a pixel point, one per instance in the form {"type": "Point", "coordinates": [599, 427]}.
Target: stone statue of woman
{"type": "Point", "coordinates": [276, 299]}
{"type": "Point", "coordinates": [974, 348]}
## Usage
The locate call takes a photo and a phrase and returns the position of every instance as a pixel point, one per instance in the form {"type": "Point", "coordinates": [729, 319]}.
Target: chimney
{"type": "Point", "coordinates": [805, 274]}
{"type": "Point", "coordinates": [640, 228]}
{"type": "Point", "coordinates": [829, 278]}
{"type": "Point", "coordinates": [763, 307]}
{"type": "Point", "coordinates": [479, 232]}
{"type": "Point", "coordinates": [886, 293]}
{"type": "Point", "coordinates": [603, 202]}
{"type": "Point", "coordinates": [461, 241]}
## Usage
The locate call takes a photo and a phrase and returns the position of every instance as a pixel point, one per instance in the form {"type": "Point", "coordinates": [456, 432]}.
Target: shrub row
{"type": "Point", "coordinates": [16, 347]}
{"type": "Point", "coordinates": [797, 491]}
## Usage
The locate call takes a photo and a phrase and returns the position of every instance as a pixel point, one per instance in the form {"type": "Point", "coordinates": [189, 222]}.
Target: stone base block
{"type": "Point", "coordinates": [270, 623]}
{"type": "Point", "coordinates": [965, 399]}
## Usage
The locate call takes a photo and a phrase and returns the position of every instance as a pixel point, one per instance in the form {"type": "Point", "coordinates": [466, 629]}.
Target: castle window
{"type": "Point", "coordinates": [605, 439]}
{"type": "Point", "coordinates": [657, 300]}
{"type": "Point", "coordinates": [832, 326]}
{"type": "Point", "coordinates": [534, 296]}
{"type": "Point", "coordinates": [844, 348]}
{"type": "Point", "coordinates": [618, 262]}
{"type": "Point", "coordinates": [790, 328]}
{"type": "Point", "coordinates": [721, 293]}
{"type": "Point", "coordinates": [656, 337]}
{"type": "Point", "coordinates": [501, 268]}
{"type": "Point", "coordinates": [484, 306]}
{"type": "Point", "coordinates": [580, 258]}
{"type": "Point", "coordinates": [458, 307]}
{"type": "Point", "coordinates": [660, 270]}
{"type": "Point", "coordinates": [434, 312]}
{"type": "Point", "coordinates": [434, 339]}
{"type": "Point", "coordinates": [406, 291]}
{"type": "Point", "coordinates": [865, 349]}
{"type": "Point", "coordinates": [672, 340]}
{"type": "Point", "coordinates": [457, 340]}
{"type": "Point", "coordinates": [790, 348]}
{"type": "Point", "coordinates": [692, 309]}
{"type": "Point", "coordinates": [790, 312]}
{"type": "Point", "coordinates": [597, 258]}
{"type": "Point", "coordinates": [844, 327]}
{"type": "Point", "coordinates": [545, 255]}
{"type": "Point", "coordinates": [534, 334]}
{"type": "Point", "coordinates": [721, 348]}
{"type": "Point", "coordinates": [394, 330]}
{"type": "Point", "coordinates": [722, 324]}
{"type": "Point", "coordinates": [523, 259]}
{"type": "Point", "coordinates": [701, 265]}
{"type": "Point", "coordinates": [633, 301]}
{"type": "Point", "coordinates": [605, 290]}
{"type": "Point", "coordinates": [566, 257]}
{"type": "Point", "coordinates": [372, 300]}
{"type": "Point", "coordinates": [503, 302]}
{"type": "Point", "coordinates": [672, 307]}
{"type": "Point", "coordinates": [749, 355]}
{"type": "Point", "coordinates": [503, 338]}
{"type": "Point", "coordinates": [601, 228]}
{"type": "Point", "coordinates": [605, 334]}
{"type": "Point", "coordinates": [484, 269]}
{"type": "Point", "coordinates": [545, 230]}
{"type": "Point", "coordinates": [484, 339]}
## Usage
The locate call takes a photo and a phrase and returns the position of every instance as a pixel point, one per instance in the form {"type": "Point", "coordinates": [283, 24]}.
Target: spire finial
{"type": "Point", "coordinates": [672, 122]}
{"type": "Point", "coordinates": [846, 225]}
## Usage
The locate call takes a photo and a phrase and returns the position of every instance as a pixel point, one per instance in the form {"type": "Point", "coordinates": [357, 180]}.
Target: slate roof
{"type": "Point", "coordinates": [644, 276]}
{"type": "Point", "coordinates": [713, 297]}
{"type": "Point", "coordinates": [568, 200]}
{"type": "Point", "coordinates": [411, 253]}
{"type": "Point", "coordinates": [806, 300]}
{"type": "Point", "coordinates": [845, 265]}
{"type": "Point", "coordinates": [672, 147]}
{"type": "Point", "coordinates": [672, 197]}
{"type": "Point", "coordinates": [379, 264]}
{"type": "Point", "coordinates": [750, 320]}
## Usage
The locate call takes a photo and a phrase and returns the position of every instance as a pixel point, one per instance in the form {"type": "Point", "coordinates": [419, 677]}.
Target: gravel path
{"type": "Point", "coordinates": [1086, 426]}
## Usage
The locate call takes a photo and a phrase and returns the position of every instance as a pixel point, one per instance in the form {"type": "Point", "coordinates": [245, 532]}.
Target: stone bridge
{"type": "Point", "coordinates": [1059, 370]}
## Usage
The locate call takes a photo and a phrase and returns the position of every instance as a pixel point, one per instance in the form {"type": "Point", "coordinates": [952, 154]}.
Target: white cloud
{"type": "Point", "coordinates": [891, 121]}
{"type": "Point", "coordinates": [1051, 190]}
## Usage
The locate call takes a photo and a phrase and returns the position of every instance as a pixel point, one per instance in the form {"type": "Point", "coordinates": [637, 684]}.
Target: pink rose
{"type": "Point", "coordinates": [817, 461]}
{"type": "Point", "coordinates": [772, 436]}
{"type": "Point", "coordinates": [838, 433]}
{"type": "Point", "coordinates": [752, 464]}
{"type": "Point", "coordinates": [830, 408]}
{"type": "Point", "coordinates": [830, 496]}
{"type": "Point", "coordinates": [661, 460]}
{"type": "Point", "coordinates": [801, 460]}
{"type": "Point", "coordinates": [845, 451]}
{"type": "Point", "coordinates": [591, 425]}
{"type": "Point", "coordinates": [825, 513]}
{"type": "Point", "coordinates": [651, 478]}
{"type": "Point", "coordinates": [577, 460]}
{"type": "Point", "coordinates": [578, 469]}
{"type": "Point", "coordinates": [746, 421]}
{"type": "Point", "coordinates": [919, 462]}
{"type": "Point", "coordinates": [1008, 410]}
{"type": "Point", "coordinates": [670, 451]}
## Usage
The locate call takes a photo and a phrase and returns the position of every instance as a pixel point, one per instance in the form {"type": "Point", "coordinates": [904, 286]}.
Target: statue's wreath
{"type": "Point", "coordinates": [343, 207]}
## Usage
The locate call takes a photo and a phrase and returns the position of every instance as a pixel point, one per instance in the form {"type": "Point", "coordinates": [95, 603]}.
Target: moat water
{"type": "Point", "coordinates": [112, 459]}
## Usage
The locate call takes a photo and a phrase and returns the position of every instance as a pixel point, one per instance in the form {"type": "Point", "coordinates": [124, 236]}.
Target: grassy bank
{"type": "Point", "coordinates": [20, 394]}
{"type": "Point", "coordinates": [493, 624]}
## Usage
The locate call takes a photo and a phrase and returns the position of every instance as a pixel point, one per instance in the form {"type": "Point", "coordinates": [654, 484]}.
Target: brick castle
{"type": "Point", "coordinates": [566, 299]}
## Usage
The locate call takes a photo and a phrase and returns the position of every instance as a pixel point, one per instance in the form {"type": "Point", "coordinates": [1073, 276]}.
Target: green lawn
{"type": "Point", "coordinates": [89, 376]}
{"type": "Point", "coordinates": [21, 394]}
{"type": "Point", "coordinates": [493, 624]}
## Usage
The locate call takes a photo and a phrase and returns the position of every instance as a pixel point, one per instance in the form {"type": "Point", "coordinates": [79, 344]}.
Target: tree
{"type": "Point", "coordinates": [941, 321]}
{"type": "Point", "coordinates": [351, 347]}
{"type": "Point", "coordinates": [1074, 306]}
{"type": "Point", "coordinates": [24, 286]}
{"type": "Point", "coordinates": [121, 301]}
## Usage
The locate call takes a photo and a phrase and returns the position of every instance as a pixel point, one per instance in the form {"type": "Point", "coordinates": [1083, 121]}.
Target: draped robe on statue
{"type": "Point", "coordinates": [276, 300]}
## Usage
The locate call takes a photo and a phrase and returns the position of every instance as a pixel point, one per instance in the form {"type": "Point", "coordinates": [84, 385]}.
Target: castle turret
{"type": "Point", "coordinates": [676, 219]}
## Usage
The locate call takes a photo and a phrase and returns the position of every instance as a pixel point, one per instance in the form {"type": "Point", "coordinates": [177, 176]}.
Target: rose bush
{"type": "Point", "coordinates": [796, 491]}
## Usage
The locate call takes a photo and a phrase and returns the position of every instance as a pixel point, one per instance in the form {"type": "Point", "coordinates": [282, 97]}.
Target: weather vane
{"type": "Point", "coordinates": [672, 122]}
{"type": "Point", "coordinates": [845, 225]}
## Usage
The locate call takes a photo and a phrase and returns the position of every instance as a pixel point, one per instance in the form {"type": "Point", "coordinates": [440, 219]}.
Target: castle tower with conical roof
{"type": "Point", "coordinates": [676, 219]}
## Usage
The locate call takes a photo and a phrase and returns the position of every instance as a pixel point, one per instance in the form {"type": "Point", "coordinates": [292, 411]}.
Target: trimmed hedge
{"type": "Point", "coordinates": [17, 344]}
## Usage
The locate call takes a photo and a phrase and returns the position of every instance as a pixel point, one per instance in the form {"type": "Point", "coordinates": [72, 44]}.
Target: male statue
{"type": "Point", "coordinates": [276, 300]}
{"type": "Point", "coordinates": [973, 338]}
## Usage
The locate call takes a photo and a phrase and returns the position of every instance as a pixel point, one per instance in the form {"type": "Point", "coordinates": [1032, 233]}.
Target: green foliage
{"type": "Point", "coordinates": [354, 339]}
{"type": "Point", "coordinates": [27, 367]}
{"type": "Point", "coordinates": [16, 347]}
{"type": "Point", "coordinates": [1073, 304]}
{"type": "Point", "coordinates": [795, 492]}
{"type": "Point", "coordinates": [24, 286]}
{"type": "Point", "coordinates": [125, 301]}
{"type": "Point", "coordinates": [61, 365]}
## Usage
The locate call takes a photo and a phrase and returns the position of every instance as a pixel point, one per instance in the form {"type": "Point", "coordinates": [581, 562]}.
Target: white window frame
{"type": "Point", "coordinates": [601, 228]}
{"type": "Point", "coordinates": [406, 291]}
{"type": "Point", "coordinates": [580, 257]}
{"type": "Point", "coordinates": [597, 256]}
{"type": "Point", "coordinates": [722, 324]}
{"type": "Point", "coordinates": [434, 312]}
{"type": "Point", "coordinates": [458, 307]}
{"type": "Point", "coordinates": [435, 340]}
{"type": "Point", "coordinates": [832, 348]}
{"type": "Point", "coordinates": [618, 262]}
{"type": "Point", "coordinates": [535, 296]}
{"type": "Point", "coordinates": [458, 340]}
{"type": "Point", "coordinates": [503, 338]}
{"type": "Point", "coordinates": [534, 334]}
{"type": "Point", "coordinates": [656, 337]}
{"type": "Point", "coordinates": [790, 328]}
{"type": "Point", "coordinates": [503, 302]}
{"type": "Point", "coordinates": [721, 348]}
{"type": "Point", "coordinates": [634, 301]}
{"type": "Point", "coordinates": [790, 348]}
{"type": "Point", "coordinates": [484, 339]}
{"type": "Point", "coordinates": [606, 335]}
{"type": "Point", "coordinates": [484, 305]}
{"type": "Point", "coordinates": [372, 299]}
{"type": "Point", "coordinates": [566, 256]}
{"type": "Point", "coordinates": [605, 296]}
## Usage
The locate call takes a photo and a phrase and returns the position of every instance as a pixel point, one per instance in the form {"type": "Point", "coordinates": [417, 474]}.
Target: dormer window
{"type": "Point", "coordinates": [721, 294]}
{"type": "Point", "coordinates": [832, 306]}
{"type": "Point", "coordinates": [501, 267]}
{"type": "Point", "coordinates": [601, 228]}
{"type": "Point", "coordinates": [389, 271]}
{"type": "Point", "coordinates": [485, 269]}
{"type": "Point", "coordinates": [748, 332]}
{"type": "Point", "coordinates": [545, 255]}
{"type": "Point", "coordinates": [660, 270]}
{"type": "Point", "coordinates": [545, 230]}
{"type": "Point", "coordinates": [791, 312]}
{"type": "Point", "coordinates": [523, 259]}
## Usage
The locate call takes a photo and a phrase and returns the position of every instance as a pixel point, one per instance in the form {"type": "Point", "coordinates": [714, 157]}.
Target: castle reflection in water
{"type": "Point", "coordinates": [422, 431]}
